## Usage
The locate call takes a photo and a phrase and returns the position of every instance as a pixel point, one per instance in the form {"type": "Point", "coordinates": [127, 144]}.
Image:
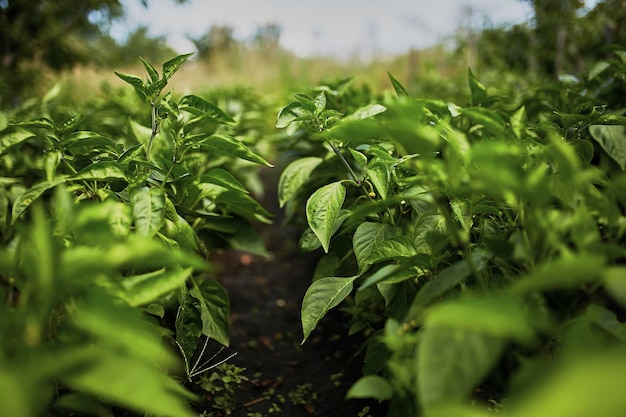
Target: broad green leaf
{"type": "Point", "coordinates": [243, 205]}
{"type": "Point", "coordinates": [371, 386]}
{"type": "Point", "coordinates": [296, 174]}
{"type": "Point", "coordinates": [398, 88]}
{"type": "Point", "coordinates": [39, 123]}
{"type": "Point", "coordinates": [141, 133]}
{"type": "Point", "coordinates": [320, 102]}
{"type": "Point", "coordinates": [171, 66]}
{"type": "Point", "coordinates": [379, 174]}
{"type": "Point", "coordinates": [451, 362]}
{"type": "Point", "coordinates": [138, 385]}
{"type": "Point", "coordinates": [367, 237]}
{"type": "Point", "coordinates": [288, 114]}
{"type": "Point", "coordinates": [71, 123]}
{"type": "Point", "coordinates": [598, 69]}
{"type": "Point", "coordinates": [148, 210]}
{"type": "Point", "coordinates": [322, 211]}
{"type": "Point", "coordinates": [584, 150]}
{"type": "Point", "coordinates": [152, 72]}
{"type": "Point", "coordinates": [590, 384]}
{"type": "Point", "coordinates": [440, 284]}
{"type": "Point", "coordinates": [321, 296]}
{"type": "Point", "coordinates": [86, 141]}
{"type": "Point", "coordinates": [141, 291]}
{"type": "Point", "coordinates": [365, 112]}
{"type": "Point", "coordinates": [179, 230]}
{"type": "Point", "coordinates": [214, 307]}
{"type": "Point", "coordinates": [26, 198]}
{"type": "Point", "coordinates": [395, 247]}
{"type": "Point", "coordinates": [101, 317]}
{"type": "Point", "coordinates": [613, 141]}
{"type": "Point", "coordinates": [101, 171]}
{"type": "Point", "coordinates": [13, 139]}
{"type": "Point", "coordinates": [208, 110]}
{"type": "Point", "coordinates": [489, 119]}
{"type": "Point", "coordinates": [561, 273]}
{"type": "Point", "coordinates": [228, 145]}
{"type": "Point", "coordinates": [504, 317]}
{"type": "Point", "coordinates": [224, 179]}
{"type": "Point", "coordinates": [306, 102]}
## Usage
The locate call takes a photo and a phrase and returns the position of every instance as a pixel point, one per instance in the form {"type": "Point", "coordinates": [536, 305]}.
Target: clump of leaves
{"type": "Point", "coordinates": [470, 237]}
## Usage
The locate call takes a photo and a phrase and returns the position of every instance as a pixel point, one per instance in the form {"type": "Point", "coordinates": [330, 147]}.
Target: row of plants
{"type": "Point", "coordinates": [479, 248]}
{"type": "Point", "coordinates": [107, 217]}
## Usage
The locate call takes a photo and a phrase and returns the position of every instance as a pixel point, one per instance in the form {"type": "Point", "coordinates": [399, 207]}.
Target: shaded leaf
{"type": "Point", "coordinates": [371, 386]}
{"type": "Point", "coordinates": [613, 141]}
{"type": "Point", "coordinates": [321, 296]}
{"type": "Point", "coordinates": [228, 145]}
{"type": "Point", "coordinates": [214, 307]}
{"type": "Point", "coordinates": [294, 176]}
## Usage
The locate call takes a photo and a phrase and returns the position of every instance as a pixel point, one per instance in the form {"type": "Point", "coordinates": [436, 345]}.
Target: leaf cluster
{"type": "Point", "coordinates": [470, 243]}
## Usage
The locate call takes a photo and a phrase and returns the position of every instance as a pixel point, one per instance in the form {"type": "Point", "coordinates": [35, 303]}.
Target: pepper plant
{"type": "Point", "coordinates": [104, 242]}
{"type": "Point", "coordinates": [479, 248]}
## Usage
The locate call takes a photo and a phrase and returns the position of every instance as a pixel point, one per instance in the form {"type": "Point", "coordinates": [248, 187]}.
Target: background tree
{"type": "Point", "coordinates": [54, 34]}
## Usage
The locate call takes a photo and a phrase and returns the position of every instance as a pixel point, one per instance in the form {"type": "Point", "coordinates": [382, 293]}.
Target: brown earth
{"type": "Point", "coordinates": [282, 376]}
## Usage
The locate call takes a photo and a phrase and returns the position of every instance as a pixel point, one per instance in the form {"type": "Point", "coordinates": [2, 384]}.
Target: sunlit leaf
{"type": "Point", "coordinates": [451, 362]}
{"type": "Point", "coordinates": [12, 139]}
{"type": "Point", "coordinates": [148, 210]}
{"type": "Point", "coordinates": [26, 199]}
{"type": "Point", "coordinates": [296, 174]}
{"type": "Point", "coordinates": [228, 145]}
{"type": "Point", "coordinates": [613, 141]}
{"type": "Point", "coordinates": [371, 386]}
{"type": "Point", "coordinates": [171, 66]}
{"type": "Point", "coordinates": [322, 211]}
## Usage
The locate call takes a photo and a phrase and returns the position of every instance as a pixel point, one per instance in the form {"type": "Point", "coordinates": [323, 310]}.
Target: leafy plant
{"type": "Point", "coordinates": [475, 241]}
{"type": "Point", "coordinates": [133, 218]}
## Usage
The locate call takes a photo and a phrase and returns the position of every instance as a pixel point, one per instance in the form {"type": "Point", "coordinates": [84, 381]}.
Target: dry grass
{"type": "Point", "coordinates": [273, 73]}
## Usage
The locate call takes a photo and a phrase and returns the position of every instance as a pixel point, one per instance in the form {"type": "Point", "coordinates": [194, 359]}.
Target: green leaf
{"type": "Point", "coordinates": [306, 103]}
{"type": "Point", "coordinates": [82, 404]}
{"type": "Point", "coordinates": [224, 179]}
{"type": "Point", "coordinates": [519, 122]}
{"type": "Point", "coordinates": [145, 289]}
{"type": "Point", "coordinates": [138, 385]}
{"type": "Point", "coordinates": [208, 110]}
{"type": "Point", "coordinates": [296, 174]}
{"type": "Point", "coordinates": [379, 174]}
{"type": "Point", "coordinates": [101, 171]}
{"type": "Point", "coordinates": [615, 283]}
{"type": "Point", "coordinates": [320, 102]}
{"type": "Point", "coordinates": [322, 211]}
{"type": "Point", "coordinates": [452, 362]}
{"type": "Point", "coordinates": [590, 384]}
{"type": "Point", "coordinates": [188, 326]}
{"type": "Point", "coordinates": [396, 247]}
{"type": "Point", "coordinates": [613, 141]}
{"type": "Point", "coordinates": [148, 210]}
{"type": "Point", "coordinates": [228, 145]}
{"type": "Point", "coordinates": [51, 160]}
{"type": "Point", "coordinates": [371, 386]}
{"type": "Point", "coordinates": [365, 112]}
{"type": "Point", "coordinates": [4, 121]}
{"type": "Point", "coordinates": [12, 139]}
{"type": "Point", "coordinates": [171, 66]}
{"type": "Point", "coordinates": [398, 88]}
{"type": "Point", "coordinates": [243, 205]}
{"type": "Point", "coordinates": [214, 307]}
{"type": "Point", "coordinates": [136, 82]}
{"type": "Point", "coordinates": [561, 273]}
{"type": "Point", "coordinates": [367, 237]}
{"type": "Point", "coordinates": [321, 296]}
{"type": "Point", "coordinates": [503, 317]}
{"type": "Point", "coordinates": [288, 114]}
{"type": "Point", "coordinates": [27, 197]}
{"type": "Point", "coordinates": [152, 72]}
{"type": "Point", "coordinates": [478, 92]}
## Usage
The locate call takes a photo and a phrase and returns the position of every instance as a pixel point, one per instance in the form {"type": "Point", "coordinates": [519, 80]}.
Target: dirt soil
{"type": "Point", "coordinates": [283, 377]}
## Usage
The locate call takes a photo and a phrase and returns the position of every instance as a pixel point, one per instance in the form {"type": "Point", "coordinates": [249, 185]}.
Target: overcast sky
{"type": "Point", "coordinates": [328, 27]}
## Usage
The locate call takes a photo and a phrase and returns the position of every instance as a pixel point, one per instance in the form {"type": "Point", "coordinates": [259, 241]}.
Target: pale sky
{"type": "Point", "coordinates": [343, 28]}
